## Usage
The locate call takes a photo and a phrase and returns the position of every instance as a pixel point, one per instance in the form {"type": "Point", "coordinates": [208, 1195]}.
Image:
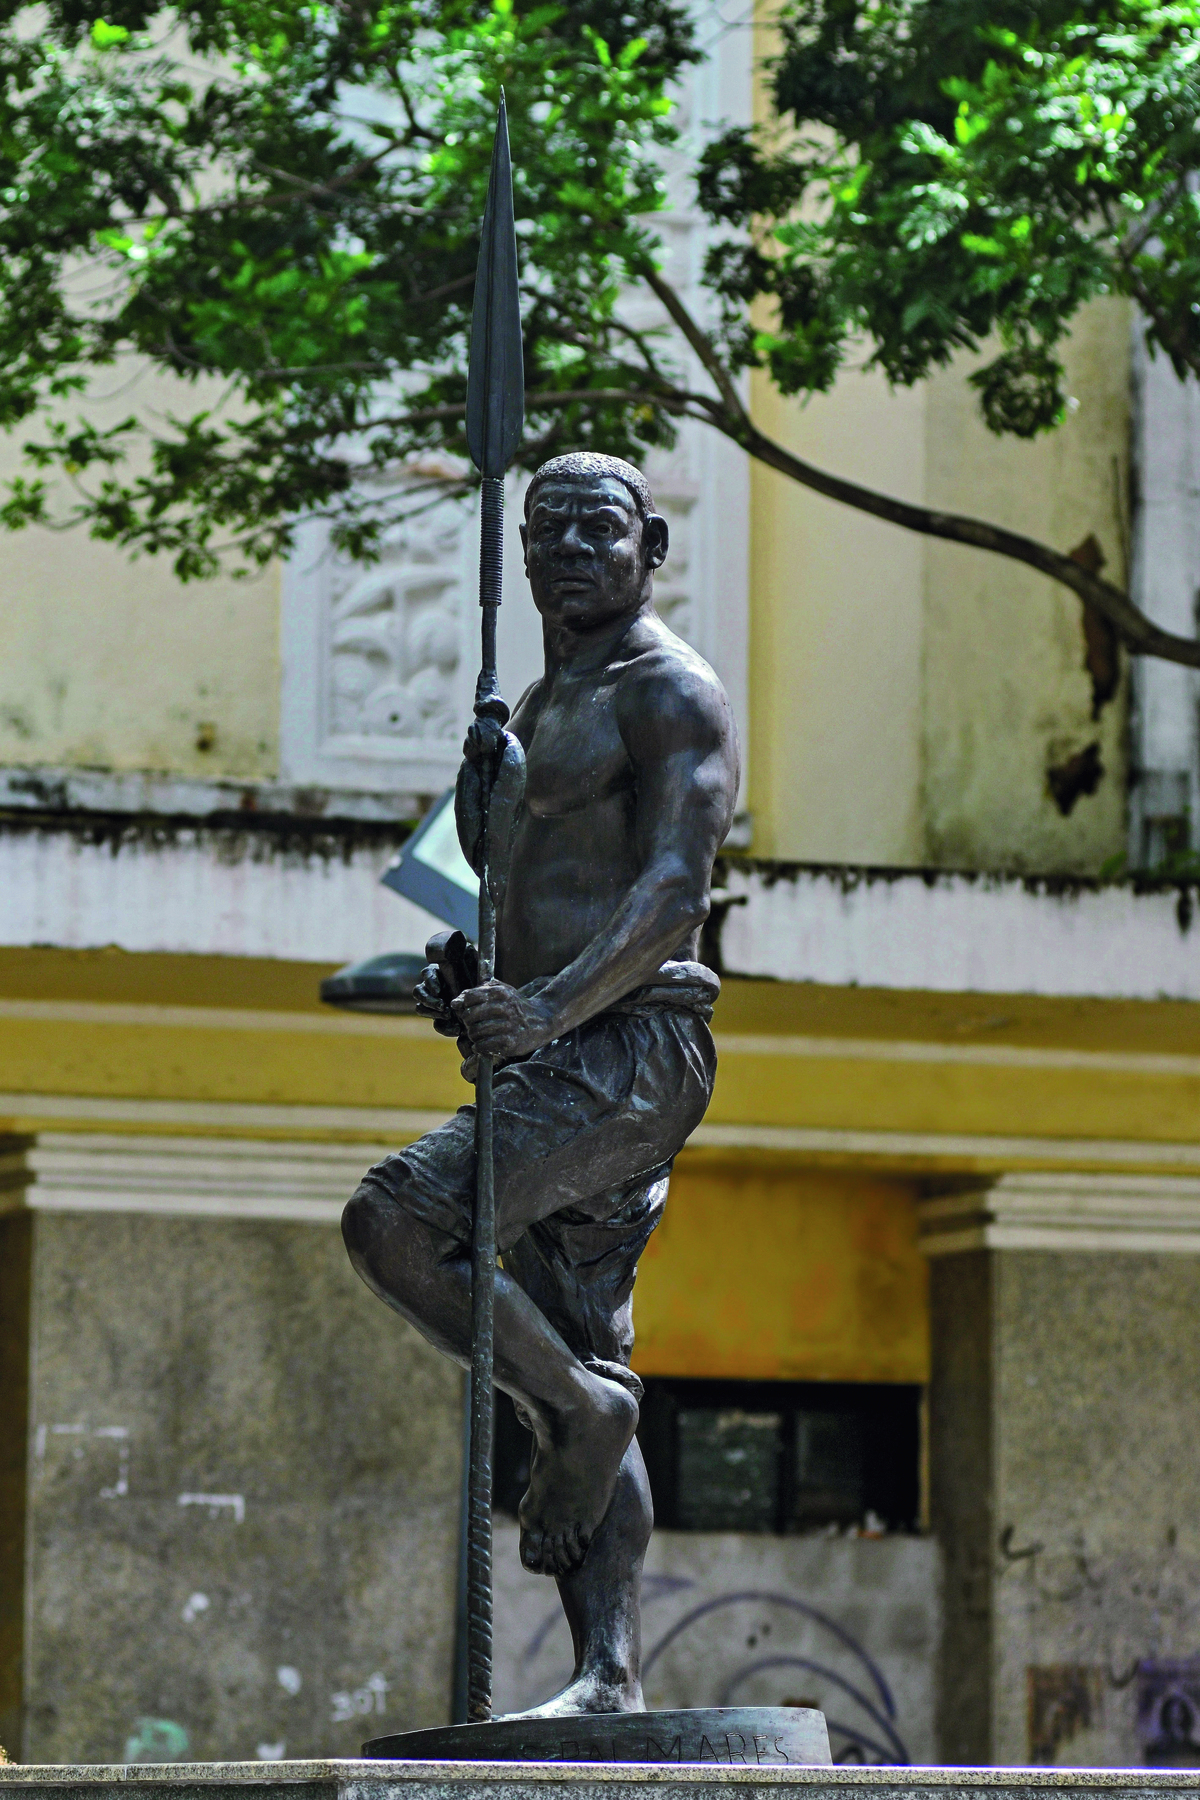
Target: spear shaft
{"type": "Point", "coordinates": [495, 421]}
{"type": "Point", "coordinates": [483, 1242]}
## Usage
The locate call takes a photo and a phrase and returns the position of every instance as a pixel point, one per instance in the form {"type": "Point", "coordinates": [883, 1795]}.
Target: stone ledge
{"type": "Point", "coordinates": [362, 1780]}
{"type": "Point", "coordinates": [942, 932]}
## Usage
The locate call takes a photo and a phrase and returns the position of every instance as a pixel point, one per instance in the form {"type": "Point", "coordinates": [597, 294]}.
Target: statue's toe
{"type": "Point", "coordinates": [531, 1550]}
{"type": "Point", "coordinates": [568, 1550]}
{"type": "Point", "coordinates": [560, 1556]}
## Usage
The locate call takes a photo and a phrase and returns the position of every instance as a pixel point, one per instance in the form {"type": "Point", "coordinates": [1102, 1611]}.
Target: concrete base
{"type": "Point", "coordinates": [357, 1780]}
{"type": "Point", "coordinates": [229, 1494]}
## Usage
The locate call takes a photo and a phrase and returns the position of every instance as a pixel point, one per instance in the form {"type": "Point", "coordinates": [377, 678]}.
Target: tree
{"type": "Point", "coordinates": [954, 169]}
{"type": "Point", "coordinates": [285, 199]}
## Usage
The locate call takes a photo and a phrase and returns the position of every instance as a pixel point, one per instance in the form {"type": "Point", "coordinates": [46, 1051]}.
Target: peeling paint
{"type": "Point", "coordinates": [217, 1503]}
{"type": "Point", "coordinates": [1074, 777]}
{"type": "Point", "coordinates": [948, 933]}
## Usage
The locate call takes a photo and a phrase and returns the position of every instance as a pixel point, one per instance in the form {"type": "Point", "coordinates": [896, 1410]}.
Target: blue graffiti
{"type": "Point", "coordinates": [765, 1597]}
{"type": "Point", "coordinates": [879, 1706]}
{"type": "Point", "coordinates": [898, 1752]}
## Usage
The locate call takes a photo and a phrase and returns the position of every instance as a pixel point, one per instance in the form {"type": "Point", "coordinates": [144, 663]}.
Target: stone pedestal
{"type": "Point", "coordinates": [1064, 1474]}
{"type": "Point", "coordinates": [354, 1780]}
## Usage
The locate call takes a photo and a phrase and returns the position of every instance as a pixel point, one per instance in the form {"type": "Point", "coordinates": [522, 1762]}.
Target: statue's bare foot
{"type": "Point", "coordinates": [589, 1693]}
{"type": "Point", "coordinates": [576, 1456]}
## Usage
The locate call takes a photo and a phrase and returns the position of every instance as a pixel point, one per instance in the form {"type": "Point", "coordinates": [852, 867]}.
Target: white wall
{"type": "Point", "coordinates": [227, 894]}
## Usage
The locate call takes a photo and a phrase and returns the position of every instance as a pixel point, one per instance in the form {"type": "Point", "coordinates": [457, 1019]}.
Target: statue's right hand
{"type": "Point", "coordinates": [433, 995]}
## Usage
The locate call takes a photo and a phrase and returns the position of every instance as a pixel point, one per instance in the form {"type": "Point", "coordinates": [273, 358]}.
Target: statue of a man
{"type": "Point", "coordinates": [598, 1020]}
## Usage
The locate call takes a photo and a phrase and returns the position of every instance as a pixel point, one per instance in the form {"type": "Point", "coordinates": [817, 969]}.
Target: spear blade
{"type": "Point", "coordinates": [496, 374]}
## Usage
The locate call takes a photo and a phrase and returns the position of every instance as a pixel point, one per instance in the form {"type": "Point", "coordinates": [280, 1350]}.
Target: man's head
{"type": "Point", "coordinates": [592, 539]}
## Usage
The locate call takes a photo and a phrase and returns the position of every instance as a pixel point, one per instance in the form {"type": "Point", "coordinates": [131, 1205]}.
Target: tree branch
{"type": "Point", "coordinates": [699, 340]}
{"type": "Point", "coordinates": [672, 400]}
{"type": "Point", "coordinates": [1136, 631]}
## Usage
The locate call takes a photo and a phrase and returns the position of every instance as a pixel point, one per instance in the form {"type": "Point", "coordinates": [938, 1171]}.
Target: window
{"type": "Point", "coordinates": [770, 1456]}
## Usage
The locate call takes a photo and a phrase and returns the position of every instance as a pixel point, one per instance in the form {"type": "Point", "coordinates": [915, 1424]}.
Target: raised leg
{"type": "Point", "coordinates": [602, 1601]}
{"type": "Point", "coordinates": [582, 1423]}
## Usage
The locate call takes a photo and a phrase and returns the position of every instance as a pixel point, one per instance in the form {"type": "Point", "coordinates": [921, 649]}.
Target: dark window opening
{"type": "Point", "coordinates": [511, 1449]}
{"type": "Point", "coordinates": [768, 1456]}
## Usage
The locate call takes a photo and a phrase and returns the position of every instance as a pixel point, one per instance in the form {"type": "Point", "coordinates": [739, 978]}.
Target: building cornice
{"type": "Point", "coordinates": [75, 796]}
{"type": "Point", "coordinates": [942, 932]}
{"type": "Point", "coordinates": [1134, 1214]}
{"type": "Point", "coordinates": [207, 1158]}
{"type": "Point", "coordinates": [180, 1177]}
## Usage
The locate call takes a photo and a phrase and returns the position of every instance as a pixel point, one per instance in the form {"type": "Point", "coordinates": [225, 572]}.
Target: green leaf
{"type": "Point", "coordinates": [106, 36]}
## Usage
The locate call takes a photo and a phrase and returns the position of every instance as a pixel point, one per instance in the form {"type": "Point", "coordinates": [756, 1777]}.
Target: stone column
{"type": "Point", "coordinates": [229, 1477]}
{"type": "Point", "coordinates": [1065, 1462]}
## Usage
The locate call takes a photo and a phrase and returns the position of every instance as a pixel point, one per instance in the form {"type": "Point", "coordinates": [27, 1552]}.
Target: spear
{"type": "Point", "coordinates": [495, 421]}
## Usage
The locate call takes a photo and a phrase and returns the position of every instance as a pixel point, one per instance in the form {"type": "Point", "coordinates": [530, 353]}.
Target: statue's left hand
{"type": "Point", "coordinates": [504, 1022]}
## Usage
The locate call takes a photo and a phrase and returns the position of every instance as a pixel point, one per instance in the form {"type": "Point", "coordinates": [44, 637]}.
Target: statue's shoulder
{"type": "Point", "coordinates": [664, 661]}
{"type": "Point", "coordinates": [667, 680]}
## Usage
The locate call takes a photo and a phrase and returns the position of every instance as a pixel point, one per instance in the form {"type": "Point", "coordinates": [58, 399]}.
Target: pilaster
{"type": "Point", "coordinates": [215, 1442]}
{"type": "Point", "coordinates": [1064, 1413]}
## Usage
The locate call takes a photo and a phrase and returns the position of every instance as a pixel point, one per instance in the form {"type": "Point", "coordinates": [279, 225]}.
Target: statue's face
{"type": "Point", "coordinates": [588, 555]}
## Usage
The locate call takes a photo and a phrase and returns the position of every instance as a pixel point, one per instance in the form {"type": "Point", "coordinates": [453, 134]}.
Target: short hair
{"type": "Point", "coordinates": [585, 464]}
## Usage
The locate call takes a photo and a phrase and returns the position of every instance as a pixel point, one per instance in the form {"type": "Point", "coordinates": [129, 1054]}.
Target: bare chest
{"type": "Point", "coordinates": [575, 756]}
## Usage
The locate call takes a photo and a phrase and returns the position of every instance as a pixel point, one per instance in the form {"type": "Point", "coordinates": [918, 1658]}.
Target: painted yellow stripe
{"type": "Point", "coordinates": [730, 1043]}
{"type": "Point", "coordinates": [353, 1065]}
{"type": "Point", "coordinates": [902, 1150]}
{"type": "Point", "coordinates": [21, 1112]}
{"type": "Point", "coordinates": [216, 1018]}
{"type": "Point", "coordinates": [994, 1056]}
{"type": "Point", "coordinates": [969, 1150]}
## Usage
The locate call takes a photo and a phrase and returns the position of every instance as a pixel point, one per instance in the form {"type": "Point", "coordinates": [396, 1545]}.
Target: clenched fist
{"type": "Point", "coordinates": [505, 1022]}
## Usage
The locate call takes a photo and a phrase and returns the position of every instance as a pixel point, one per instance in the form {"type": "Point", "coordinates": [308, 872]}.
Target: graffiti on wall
{"type": "Point", "coordinates": [776, 1650]}
{"type": "Point", "coordinates": [1168, 1713]}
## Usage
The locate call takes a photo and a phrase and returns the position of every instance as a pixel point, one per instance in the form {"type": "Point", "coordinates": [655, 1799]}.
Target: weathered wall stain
{"type": "Point", "coordinates": [1076, 775]}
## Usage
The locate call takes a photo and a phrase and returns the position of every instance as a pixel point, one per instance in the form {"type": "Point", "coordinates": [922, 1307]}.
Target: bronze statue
{"type": "Point", "coordinates": [596, 1022]}
{"type": "Point", "coordinates": [582, 1019]}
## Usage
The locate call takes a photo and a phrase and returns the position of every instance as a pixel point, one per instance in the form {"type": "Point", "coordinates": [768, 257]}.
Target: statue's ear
{"type": "Point", "coordinates": [656, 539]}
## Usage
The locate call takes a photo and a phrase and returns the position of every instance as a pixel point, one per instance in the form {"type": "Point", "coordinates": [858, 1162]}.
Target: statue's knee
{"type": "Point", "coordinates": [362, 1226]}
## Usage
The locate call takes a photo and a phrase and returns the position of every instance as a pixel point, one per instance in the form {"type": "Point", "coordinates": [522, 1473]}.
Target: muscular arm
{"type": "Point", "coordinates": [678, 732]}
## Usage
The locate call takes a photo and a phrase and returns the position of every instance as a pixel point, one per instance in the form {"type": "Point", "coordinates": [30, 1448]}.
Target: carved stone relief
{"type": "Point", "coordinates": [376, 685]}
{"type": "Point", "coordinates": [395, 636]}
